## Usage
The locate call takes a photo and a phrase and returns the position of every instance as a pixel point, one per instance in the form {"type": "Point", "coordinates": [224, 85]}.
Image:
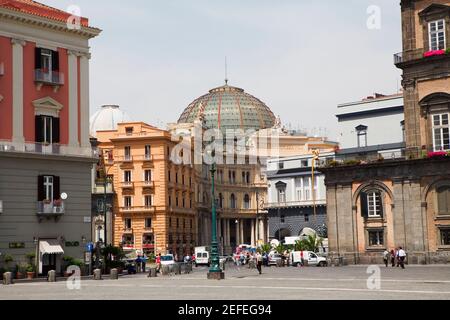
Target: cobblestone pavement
{"type": "Point", "coordinates": [416, 282]}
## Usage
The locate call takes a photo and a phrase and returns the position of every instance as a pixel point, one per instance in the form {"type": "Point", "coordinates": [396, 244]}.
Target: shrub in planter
{"type": "Point", "coordinates": [30, 271]}
{"type": "Point", "coordinates": [352, 162]}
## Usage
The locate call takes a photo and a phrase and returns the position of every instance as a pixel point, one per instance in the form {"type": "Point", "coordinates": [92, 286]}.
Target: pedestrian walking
{"type": "Point", "coordinates": [386, 256]}
{"type": "Point", "coordinates": [144, 263]}
{"type": "Point", "coordinates": [259, 262]}
{"type": "Point", "coordinates": [402, 257]}
{"type": "Point", "coordinates": [393, 258]}
{"type": "Point", "coordinates": [158, 262]}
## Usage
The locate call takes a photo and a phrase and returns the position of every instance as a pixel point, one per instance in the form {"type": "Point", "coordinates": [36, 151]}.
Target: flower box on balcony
{"type": "Point", "coordinates": [438, 154]}
{"type": "Point", "coordinates": [434, 53]}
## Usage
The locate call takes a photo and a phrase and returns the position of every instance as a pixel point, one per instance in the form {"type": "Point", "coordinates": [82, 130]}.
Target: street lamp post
{"type": "Point", "coordinates": [215, 273]}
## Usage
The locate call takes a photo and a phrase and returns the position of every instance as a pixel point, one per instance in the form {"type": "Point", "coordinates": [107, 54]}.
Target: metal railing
{"type": "Point", "coordinates": [50, 207]}
{"type": "Point", "coordinates": [398, 58]}
{"type": "Point", "coordinates": [303, 203]}
{"type": "Point", "coordinates": [47, 149]}
{"type": "Point", "coordinates": [50, 77]}
{"type": "Point", "coordinates": [127, 184]}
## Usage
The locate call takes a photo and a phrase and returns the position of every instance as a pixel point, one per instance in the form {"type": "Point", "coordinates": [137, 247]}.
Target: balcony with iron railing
{"type": "Point", "coordinates": [50, 77]}
{"type": "Point", "coordinates": [7, 146]}
{"type": "Point", "coordinates": [127, 185]}
{"type": "Point", "coordinates": [419, 54]}
{"type": "Point", "coordinates": [50, 208]}
{"type": "Point", "coordinates": [124, 159]}
{"type": "Point", "coordinates": [292, 204]}
{"type": "Point", "coordinates": [137, 209]}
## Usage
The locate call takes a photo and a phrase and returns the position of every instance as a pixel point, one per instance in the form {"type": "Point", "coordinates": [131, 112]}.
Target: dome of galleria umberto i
{"type": "Point", "coordinates": [227, 108]}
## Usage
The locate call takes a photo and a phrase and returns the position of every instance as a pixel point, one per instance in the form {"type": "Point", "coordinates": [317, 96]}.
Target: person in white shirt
{"type": "Point", "coordinates": [386, 255]}
{"type": "Point", "coordinates": [402, 257]}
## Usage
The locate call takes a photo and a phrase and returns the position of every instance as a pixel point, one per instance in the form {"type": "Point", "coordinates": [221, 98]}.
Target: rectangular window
{"type": "Point", "coordinates": [100, 205]}
{"type": "Point", "coordinates": [283, 219]}
{"type": "Point", "coordinates": [282, 195]}
{"type": "Point", "coordinates": [437, 35]}
{"type": "Point", "coordinates": [376, 238]}
{"type": "Point", "coordinates": [362, 139]}
{"type": "Point", "coordinates": [129, 131]}
{"type": "Point", "coordinates": [281, 165]}
{"type": "Point", "coordinates": [127, 176]}
{"type": "Point", "coordinates": [148, 223]}
{"type": "Point", "coordinates": [148, 201]}
{"type": "Point", "coordinates": [127, 203]}
{"type": "Point", "coordinates": [46, 129]}
{"type": "Point", "coordinates": [148, 175]}
{"type": "Point", "coordinates": [148, 152]}
{"type": "Point", "coordinates": [170, 222]}
{"type": "Point", "coordinates": [48, 187]}
{"type": "Point", "coordinates": [445, 237]}
{"type": "Point", "coordinates": [441, 132]}
{"type": "Point", "coordinates": [374, 204]}
{"type": "Point", "coordinates": [307, 189]}
{"type": "Point", "coordinates": [299, 189]}
{"type": "Point", "coordinates": [127, 223]}
{"type": "Point", "coordinates": [306, 218]}
{"type": "Point", "coordinates": [127, 151]}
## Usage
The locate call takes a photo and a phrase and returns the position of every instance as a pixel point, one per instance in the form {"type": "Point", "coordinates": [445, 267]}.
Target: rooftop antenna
{"type": "Point", "coordinates": [226, 71]}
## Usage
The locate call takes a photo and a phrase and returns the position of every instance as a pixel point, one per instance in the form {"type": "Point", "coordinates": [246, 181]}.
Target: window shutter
{"type": "Point", "coordinates": [364, 205]}
{"type": "Point", "coordinates": [55, 130]}
{"type": "Point", "coordinates": [37, 58]}
{"type": "Point", "coordinates": [56, 188]}
{"type": "Point", "coordinates": [41, 192]}
{"type": "Point", "coordinates": [380, 194]}
{"type": "Point", "coordinates": [38, 127]}
{"type": "Point", "coordinates": [55, 60]}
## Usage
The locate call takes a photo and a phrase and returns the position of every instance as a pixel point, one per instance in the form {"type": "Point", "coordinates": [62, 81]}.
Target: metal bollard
{"type": "Point", "coordinates": [114, 274]}
{"type": "Point", "coordinates": [97, 274]}
{"type": "Point", "coordinates": [51, 276]}
{"type": "Point", "coordinates": [7, 278]}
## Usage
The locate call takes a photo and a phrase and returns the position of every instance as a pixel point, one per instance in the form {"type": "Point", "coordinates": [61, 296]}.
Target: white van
{"type": "Point", "coordinates": [202, 257]}
{"type": "Point", "coordinates": [309, 256]}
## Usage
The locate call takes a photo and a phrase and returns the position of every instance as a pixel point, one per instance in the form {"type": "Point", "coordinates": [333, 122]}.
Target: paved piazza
{"type": "Point", "coordinates": [416, 282]}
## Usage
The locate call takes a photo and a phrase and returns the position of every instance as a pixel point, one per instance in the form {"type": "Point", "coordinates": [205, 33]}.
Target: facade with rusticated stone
{"type": "Point", "coordinates": [385, 204]}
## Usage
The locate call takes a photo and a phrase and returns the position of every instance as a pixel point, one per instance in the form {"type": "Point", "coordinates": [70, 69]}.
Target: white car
{"type": "Point", "coordinates": [168, 259]}
{"type": "Point", "coordinates": [309, 256]}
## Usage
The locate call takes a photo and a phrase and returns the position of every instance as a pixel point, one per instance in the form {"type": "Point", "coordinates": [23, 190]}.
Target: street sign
{"type": "Point", "coordinates": [87, 257]}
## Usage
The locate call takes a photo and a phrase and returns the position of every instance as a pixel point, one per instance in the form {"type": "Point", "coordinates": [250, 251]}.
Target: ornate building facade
{"type": "Point", "coordinates": [384, 204]}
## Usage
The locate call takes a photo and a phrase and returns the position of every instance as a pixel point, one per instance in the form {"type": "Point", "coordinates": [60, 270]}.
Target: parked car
{"type": "Point", "coordinates": [167, 259]}
{"type": "Point", "coordinates": [274, 258]}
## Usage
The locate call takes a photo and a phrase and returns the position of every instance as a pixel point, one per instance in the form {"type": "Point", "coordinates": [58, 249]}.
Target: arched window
{"type": "Point", "coordinates": [246, 201]}
{"type": "Point", "coordinates": [233, 201]}
{"type": "Point", "coordinates": [443, 195]}
{"type": "Point", "coordinates": [371, 204]}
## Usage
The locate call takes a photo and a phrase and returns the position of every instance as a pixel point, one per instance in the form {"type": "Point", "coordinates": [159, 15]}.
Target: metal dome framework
{"type": "Point", "coordinates": [229, 107]}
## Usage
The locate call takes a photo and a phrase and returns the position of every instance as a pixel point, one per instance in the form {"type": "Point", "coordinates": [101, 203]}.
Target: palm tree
{"type": "Point", "coordinates": [300, 245]}
{"type": "Point", "coordinates": [266, 248]}
{"type": "Point", "coordinates": [312, 243]}
{"type": "Point", "coordinates": [280, 248]}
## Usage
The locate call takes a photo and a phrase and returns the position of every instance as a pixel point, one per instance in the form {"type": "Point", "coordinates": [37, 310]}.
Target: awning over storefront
{"type": "Point", "coordinates": [50, 247]}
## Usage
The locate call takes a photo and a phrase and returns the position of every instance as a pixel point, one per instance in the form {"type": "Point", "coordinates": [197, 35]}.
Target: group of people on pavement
{"type": "Point", "coordinates": [395, 257]}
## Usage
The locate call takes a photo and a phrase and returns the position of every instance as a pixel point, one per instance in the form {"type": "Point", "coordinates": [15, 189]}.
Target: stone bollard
{"type": "Point", "coordinates": [177, 269]}
{"type": "Point", "coordinates": [152, 273]}
{"type": "Point", "coordinates": [51, 276]}
{"type": "Point", "coordinates": [97, 274]}
{"type": "Point", "coordinates": [114, 274]}
{"type": "Point", "coordinates": [7, 278]}
{"type": "Point", "coordinates": [165, 270]}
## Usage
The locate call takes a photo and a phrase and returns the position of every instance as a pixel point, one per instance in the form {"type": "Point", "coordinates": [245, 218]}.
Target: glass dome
{"type": "Point", "coordinates": [229, 107]}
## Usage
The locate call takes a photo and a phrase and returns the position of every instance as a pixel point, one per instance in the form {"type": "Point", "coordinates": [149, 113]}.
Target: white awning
{"type": "Point", "coordinates": [50, 247]}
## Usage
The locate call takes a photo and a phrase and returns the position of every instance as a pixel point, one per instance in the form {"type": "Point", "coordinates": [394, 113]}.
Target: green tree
{"type": "Point", "coordinates": [266, 248]}
{"type": "Point", "coordinates": [312, 243]}
{"type": "Point", "coordinates": [280, 248]}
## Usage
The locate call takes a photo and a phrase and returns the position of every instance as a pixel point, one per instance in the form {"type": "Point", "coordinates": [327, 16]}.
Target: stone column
{"type": "Point", "coordinates": [238, 232]}
{"type": "Point", "coordinates": [84, 99]}
{"type": "Point", "coordinates": [17, 98]}
{"type": "Point", "coordinates": [253, 242]}
{"type": "Point", "coordinates": [241, 230]}
{"type": "Point", "coordinates": [73, 98]}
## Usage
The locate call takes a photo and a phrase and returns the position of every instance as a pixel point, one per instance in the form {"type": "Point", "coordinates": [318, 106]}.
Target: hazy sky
{"type": "Point", "coordinates": [301, 57]}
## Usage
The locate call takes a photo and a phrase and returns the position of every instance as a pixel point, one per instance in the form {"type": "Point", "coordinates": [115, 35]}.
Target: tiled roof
{"type": "Point", "coordinates": [39, 9]}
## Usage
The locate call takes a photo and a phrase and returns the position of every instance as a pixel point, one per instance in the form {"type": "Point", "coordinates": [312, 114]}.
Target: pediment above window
{"type": "Point", "coordinates": [47, 107]}
{"type": "Point", "coordinates": [435, 11]}
{"type": "Point", "coordinates": [280, 185]}
{"type": "Point", "coordinates": [361, 128]}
